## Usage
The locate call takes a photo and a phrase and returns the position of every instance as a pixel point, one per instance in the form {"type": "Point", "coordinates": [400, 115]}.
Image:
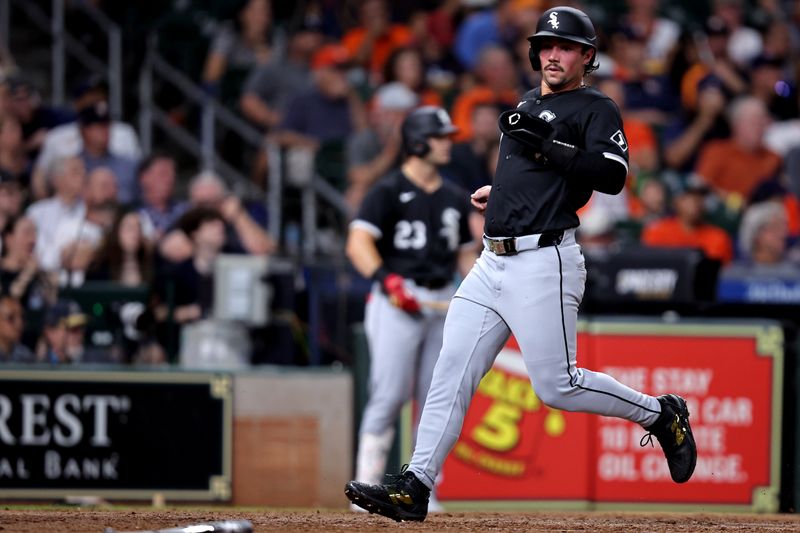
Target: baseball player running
{"type": "Point", "coordinates": [410, 235]}
{"type": "Point", "coordinates": [563, 141]}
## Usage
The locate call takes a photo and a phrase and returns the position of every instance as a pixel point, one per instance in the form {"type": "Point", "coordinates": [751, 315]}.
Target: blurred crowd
{"type": "Point", "coordinates": [708, 93]}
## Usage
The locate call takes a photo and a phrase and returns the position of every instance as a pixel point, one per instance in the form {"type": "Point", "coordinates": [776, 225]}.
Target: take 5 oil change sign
{"type": "Point", "coordinates": [514, 450]}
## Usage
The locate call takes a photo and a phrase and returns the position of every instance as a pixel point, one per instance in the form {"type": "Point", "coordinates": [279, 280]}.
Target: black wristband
{"type": "Point", "coordinates": [381, 274]}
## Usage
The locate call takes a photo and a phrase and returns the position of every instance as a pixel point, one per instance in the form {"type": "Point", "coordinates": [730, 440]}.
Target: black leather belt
{"type": "Point", "coordinates": [509, 246]}
{"type": "Point", "coordinates": [551, 238]}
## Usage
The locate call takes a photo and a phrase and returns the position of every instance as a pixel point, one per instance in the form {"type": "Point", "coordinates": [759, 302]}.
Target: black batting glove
{"type": "Point", "coordinates": [527, 129]}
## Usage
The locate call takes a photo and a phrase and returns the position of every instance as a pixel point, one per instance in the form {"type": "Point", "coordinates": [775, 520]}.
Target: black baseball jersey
{"type": "Point", "coordinates": [418, 234]}
{"type": "Point", "coordinates": [530, 196]}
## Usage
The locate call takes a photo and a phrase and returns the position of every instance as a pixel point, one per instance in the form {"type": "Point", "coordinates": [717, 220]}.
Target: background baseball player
{"type": "Point", "coordinates": [563, 141]}
{"type": "Point", "coordinates": [410, 235]}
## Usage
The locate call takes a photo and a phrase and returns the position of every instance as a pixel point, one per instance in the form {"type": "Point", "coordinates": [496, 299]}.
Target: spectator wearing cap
{"type": "Point", "coordinates": [733, 167]}
{"type": "Point", "coordinates": [95, 129]}
{"type": "Point", "coordinates": [270, 86]}
{"type": "Point", "coordinates": [374, 152]}
{"type": "Point", "coordinates": [12, 324]}
{"type": "Point", "coordinates": [62, 340]}
{"type": "Point", "coordinates": [372, 41]}
{"type": "Point", "coordinates": [66, 140]}
{"type": "Point", "coordinates": [64, 208]}
{"type": "Point", "coordinates": [687, 228]}
{"type": "Point", "coordinates": [471, 160]}
{"type": "Point", "coordinates": [13, 156]}
{"type": "Point", "coordinates": [318, 121]}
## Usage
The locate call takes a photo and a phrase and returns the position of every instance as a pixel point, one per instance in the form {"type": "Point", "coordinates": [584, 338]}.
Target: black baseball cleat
{"type": "Point", "coordinates": [675, 436]}
{"type": "Point", "coordinates": [403, 497]}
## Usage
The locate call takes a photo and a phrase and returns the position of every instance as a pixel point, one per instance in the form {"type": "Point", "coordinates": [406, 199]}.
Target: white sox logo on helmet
{"type": "Point", "coordinates": [554, 20]}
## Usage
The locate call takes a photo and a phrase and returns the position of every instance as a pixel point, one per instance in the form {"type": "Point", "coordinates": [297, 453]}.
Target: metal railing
{"type": "Point", "coordinates": [156, 70]}
{"type": "Point", "coordinates": [200, 143]}
{"type": "Point", "coordinates": [66, 45]}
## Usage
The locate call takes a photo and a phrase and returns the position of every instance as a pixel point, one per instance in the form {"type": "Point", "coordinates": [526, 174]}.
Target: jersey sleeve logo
{"type": "Point", "coordinates": [619, 139]}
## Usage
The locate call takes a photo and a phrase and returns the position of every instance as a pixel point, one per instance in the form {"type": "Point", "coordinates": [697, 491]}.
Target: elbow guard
{"type": "Point", "coordinates": [593, 170]}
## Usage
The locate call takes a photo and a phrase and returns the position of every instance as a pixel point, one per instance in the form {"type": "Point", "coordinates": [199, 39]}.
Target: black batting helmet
{"type": "Point", "coordinates": [424, 122]}
{"type": "Point", "coordinates": [565, 23]}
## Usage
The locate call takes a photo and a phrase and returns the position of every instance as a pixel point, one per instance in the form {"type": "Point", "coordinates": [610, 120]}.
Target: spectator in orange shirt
{"type": "Point", "coordinates": [688, 228]}
{"type": "Point", "coordinates": [734, 167]}
{"type": "Point", "coordinates": [371, 43]}
{"type": "Point", "coordinates": [498, 83]}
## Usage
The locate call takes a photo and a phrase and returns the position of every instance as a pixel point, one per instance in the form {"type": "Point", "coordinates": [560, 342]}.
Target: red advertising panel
{"type": "Point", "coordinates": [514, 448]}
{"type": "Point", "coordinates": [728, 386]}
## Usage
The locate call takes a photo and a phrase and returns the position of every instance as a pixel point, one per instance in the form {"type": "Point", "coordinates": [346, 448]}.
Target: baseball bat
{"type": "Point", "coordinates": [226, 526]}
{"type": "Point", "coordinates": [436, 305]}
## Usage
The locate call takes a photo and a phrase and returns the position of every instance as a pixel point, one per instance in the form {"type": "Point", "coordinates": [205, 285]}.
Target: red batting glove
{"type": "Point", "coordinates": [398, 295]}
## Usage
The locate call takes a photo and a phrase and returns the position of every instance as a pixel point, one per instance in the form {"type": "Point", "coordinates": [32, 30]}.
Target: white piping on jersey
{"type": "Point", "coordinates": [370, 228]}
{"type": "Point", "coordinates": [616, 158]}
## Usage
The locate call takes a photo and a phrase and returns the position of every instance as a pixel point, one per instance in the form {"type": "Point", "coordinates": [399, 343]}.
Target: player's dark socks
{"type": "Point", "coordinates": [674, 433]}
{"type": "Point", "coordinates": [402, 497]}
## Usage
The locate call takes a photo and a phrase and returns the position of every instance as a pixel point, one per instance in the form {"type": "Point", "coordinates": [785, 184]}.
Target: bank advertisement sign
{"type": "Point", "coordinates": [115, 434]}
{"type": "Point", "coordinates": [513, 448]}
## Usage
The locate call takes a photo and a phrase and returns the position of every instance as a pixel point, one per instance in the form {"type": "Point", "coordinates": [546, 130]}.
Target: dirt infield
{"type": "Point", "coordinates": [95, 521]}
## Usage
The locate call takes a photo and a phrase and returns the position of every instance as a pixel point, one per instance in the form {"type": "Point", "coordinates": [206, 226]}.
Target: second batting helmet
{"type": "Point", "coordinates": [424, 122]}
{"type": "Point", "coordinates": [565, 23]}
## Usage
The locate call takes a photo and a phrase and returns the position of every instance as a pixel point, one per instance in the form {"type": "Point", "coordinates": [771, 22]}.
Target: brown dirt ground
{"type": "Point", "coordinates": [16, 520]}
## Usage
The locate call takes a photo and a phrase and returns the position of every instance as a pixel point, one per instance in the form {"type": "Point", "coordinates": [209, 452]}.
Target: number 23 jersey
{"type": "Point", "coordinates": [418, 234]}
